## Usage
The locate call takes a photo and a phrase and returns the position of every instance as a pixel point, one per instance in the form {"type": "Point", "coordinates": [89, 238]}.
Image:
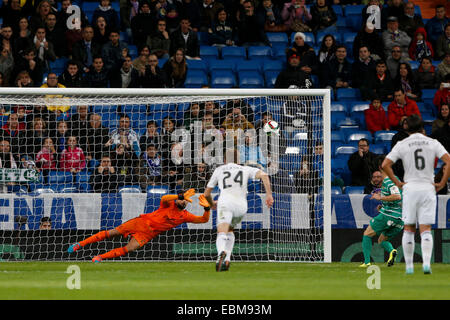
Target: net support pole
{"type": "Point", "coordinates": [327, 176]}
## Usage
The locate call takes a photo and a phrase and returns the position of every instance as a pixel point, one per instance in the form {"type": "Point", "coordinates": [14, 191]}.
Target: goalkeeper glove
{"type": "Point", "coordinates": [186, 195]}
{"type": "Point", "coordinates": [204, 203]}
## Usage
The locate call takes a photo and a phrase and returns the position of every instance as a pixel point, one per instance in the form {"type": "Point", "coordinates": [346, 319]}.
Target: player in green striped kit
{"type": "Point", "coordinates": [387, 224]}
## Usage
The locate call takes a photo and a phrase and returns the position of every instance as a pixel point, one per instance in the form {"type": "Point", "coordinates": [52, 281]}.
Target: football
{"type": "Point", "coordinates": [271, 127]}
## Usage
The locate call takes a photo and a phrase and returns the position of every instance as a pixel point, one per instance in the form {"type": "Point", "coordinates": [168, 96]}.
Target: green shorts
{"type": "Point", "coordinates": [388, 226]}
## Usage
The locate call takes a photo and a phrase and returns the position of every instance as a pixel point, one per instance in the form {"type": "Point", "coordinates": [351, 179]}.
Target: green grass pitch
{"type": "Point", "coordinates": [196, 281]}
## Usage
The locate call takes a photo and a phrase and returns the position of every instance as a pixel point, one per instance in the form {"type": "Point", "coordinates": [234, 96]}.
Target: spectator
{"type": "Point", "coordinates": [437, 179]}
{"type": "Point", "coordinates": [393, 36]}
{"type": "Point", "coordinates": [61, 137]}
{"type": "Point", "coordinates": [245, 108]}
{"type": "Point", "coordinates": [31, 64]}
{"type": "Point", "coordinates": [153, 76]}
{"type": "Point", "coordinates": [142, 60]}
{"type": "Point", "coordinates": [250, 153]}
{"type": "Point", "coordinates": [394, 8]}
{"type": "Point", "coordinates": [410, 21]}
{"type": "Point", "coordinates": [222, 32]}
{"type": "Point", "coordinates": [38, 18]}
{"type": "Point", "coordinates": [72, 158]}
{"type": "Point", "coordinates": [236, 120]}
{"type": "Point", "coordinates": [420, 47]}
{"type": "Point", "coordinates": [323, 17]}
{"type": "Point", "coordinates": [168, 126]}
{"type": "Point", "coordinates": [443, 44]}
{"type": "Point", "coordinates": [6, 66]}
{"type": "Point", "coordinates": [327, 48]}
{"type": "Point", "coordinates": [101, 31]}
{"type": "Point", "coordinates": [85, 50]}
{"type": "Point", "coordinates": [441, 120]}
{"type": "Point", "coordinates": [426, 76]}
{"type": "Point", "coordinates": [45, 223]}
{"type": "Point", "coordinates": [191, 9]}
{"type": "Point", "coordinates": [159, 41]}
{"type": "Point", "coordinates": [124, 135]}
{"type": "Point", "coordinates": [375, 116]}
{"type": "Point", "coordinates": [109, 13]}
{"type": "Point", "coordinates": [164, 9]}
{"type": "Point", "coordinates": [406, 80]}
{"type": "Point", "coordinates": [193, 115]}
{"type": "Point", "coordinates": [378, 83]}
{"type": "Point", "coordinates": [125, 77]}
{"type": "Point", "coordinates": [71, 77]}
{"type": "Point", "coordinates": [124, 161]}
{"type": "Point", "coordinates": [443, 67]}
{"type": "Point", "coordinates": [105, 179]}
{"type": "Point", "coordinates": [296, 17]}
{"type": "Point", "coordinates": [265, 117]}
{"type": "Point", "coordinates": [22, 38]}
{"type": "Point", "coordinates": [62, 16]}
{"type": "Point", "coordinates": [7, 39]}
{"type": "Point", "coordinates": [362, 164]}
{"type": "Point", "coordinates": [368, 15]}
{"type": "Point", "coordinates": [11, 12]}
{"type": "Point", "coordinates": [375, 183]}
{"type": "Point", "coordinates": [219, 114]}
{"type": "Point", "coordinates": [337, 73]}
{"type": "Point", "coordinates": [55, 35]}
{"type": "Point", "coordinates": [80, 125]}
{"type": "Point", "coordinates": [363, 66]}
{"type": "Point", "coordinates": [442, 96]}
{"type": "Point", "coordinates": [98, 76]}
{"type": "Point", "coordinates": [368, 37]}
{"type": "Point", "coordinates": [97, 137]}
{"type": "Point", "coordinates": [400, 108]}
{"type": "Point", "coordinates": [60, 110]}
{"type": "Point", "coordinates": [73, 35]}
{"type": "Point", "coordinates": [394, 60]}
{"type": "Point", "coordinates": [151, 136]}
{"type": "Point", "coordinates": [250, 28]}
{"type": "Point", "coordinates": [143, 23]}
{"type": "Point", "coordinates": [114, 51]}
{"type": "Point", "coordinates": [436, 25]}
{"type": "Point", "coordinates": [208, 13]}
{"type": "Point", "coordinates": [150, 168]}
{"type": "Point", "coordinates": [13, 131]}
{"type": "Point", "coordinates": [46, 158]}
{"type": "Point", "coordinates": [293, 74]}
{"type": "Point", "coordinates": [23, 79]}
{"type": "Point", "coordinates": [303, 178]}
{"type": "Point", "coordinates": [271, 15]}
{"type": "Point", "coordinates": [184, 37]}
{"type": "Point", "coordinates": [175, 70]}
{"type": "Point", "coordinates": [198, 178]}
{"type": "Point", "coordinates": [308, 59]}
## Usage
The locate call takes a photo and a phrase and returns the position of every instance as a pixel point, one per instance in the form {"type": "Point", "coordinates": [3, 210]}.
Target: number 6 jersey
{"type": "Point", "coordinates": [418, 154]}
{"type": "Point", "coordinates": [232, 180]}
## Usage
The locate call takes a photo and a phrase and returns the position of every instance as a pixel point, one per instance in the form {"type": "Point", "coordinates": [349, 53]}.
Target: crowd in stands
{"type": "Point", "coordinates": [388, 63]}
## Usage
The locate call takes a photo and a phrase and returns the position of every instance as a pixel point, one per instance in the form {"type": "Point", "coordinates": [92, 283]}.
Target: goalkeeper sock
{"type": "Point", "coordinates": [95, 238]}
{"type": "Point", "coordinates": [221, 242]}
{"type": "Point", "coordinates": [427, 247]}
{"type": "Point", "coordinates": [229, 245]}
{"type": "Point", "coordinates": [367, 248]}
{"type": "Point", "coordinates": [408, 248]}
{"type": "Point", "coordinates": [114, 253]}
{"type": "Point", "coordinates": [387, 246]}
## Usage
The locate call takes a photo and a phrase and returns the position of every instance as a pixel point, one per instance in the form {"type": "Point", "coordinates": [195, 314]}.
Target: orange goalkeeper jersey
{"type": "Point", "coordinates": [168, 216]}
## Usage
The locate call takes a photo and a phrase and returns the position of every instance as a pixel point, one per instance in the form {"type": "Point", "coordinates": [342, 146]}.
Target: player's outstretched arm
{"type": "Point", "coordinates": [202, 219]}
{"type": "Point", "coordinates": [266, 181]}
{"type": "Point", "coordinates": [443, 183]}
{"type": "Point", "coordinates": [208, 197]}
{"type": "Point", "coordinates": [165, 200]}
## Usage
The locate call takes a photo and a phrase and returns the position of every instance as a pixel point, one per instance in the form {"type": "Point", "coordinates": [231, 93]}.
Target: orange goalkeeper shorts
{"type": "Point", "coordinates": [138, 229]}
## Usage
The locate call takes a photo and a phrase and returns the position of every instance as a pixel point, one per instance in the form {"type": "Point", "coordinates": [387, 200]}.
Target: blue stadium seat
{"type": "Point", "coordinates": [378, 148]}
{"type": "Point", "coordinates": [357, 106]}
{"type": "Point", "coordinates": [249, 65]}
{"type": "Point", "coordinates": [414, 64]}
{"type": "Point", "coordinates": [85, 187]}
{"type": "Point", "coordinates": [336, 117]}
{"type": "Point", "coordinates": [110, 120]}
{"type": "Point", "coordinates": [59, 177]}
{"type": "Point", "coordinates": [58, 66]}
{"type": "Point", "coordinates": [250, 79]}
{"type": "Point", "coordinates": [383, 136]}
{"type": "Point", "coordinates": [234, 53]}
{"type": "Point", "coordinates": [195, 79]}
{"type": "Point", "coordinates": [254, 186]}
{"type": "Point", "coordinates": [222, 65]}
{"type": "Point", "coordinates": [133, 51]}
{"type": "Point", "coordinates": [341, 25]}
{"type": "Point", "coordinates": [347, 123]}
{"type": "Point", "coordinates": [278, 53]}
{"type": "Point", "coordinates": [197, 65]}
{"type": "Point", "coordinates": [88, 6]}
{"type": "Point", "coordinates": [354, 190]}
{"type": "Point", "coordinates": [203, 38]}
{"type": "Point", "coordinates": [339, 106]}
{"type": "Point", "coordinates": [259, 53]}
{"type": "Point", "coordinates": [130, 189]}
{"type": "Point", "coordinates": [209, 52]}
{"type": "Point", "coordinates": [277, 37]}
{"type": "Point", "coordinates": [134, 109]}
{"type": "Point", "coordinates": [273, 65]}
{"type": "Point", "coordinates": [348, 37]}
{"type": "Point", "coordinates": [337, 136]}
{"type": "Point", "coordinates": [223, 79]}
{"type": "Point", "coordinates": [158, 189]}
{"type": "Point", "coordinates": [354, 9]}
{"type": "Point", "coordinates": [428, 94]}
{"type": "Point", "coordinates": [162, 62]}
{"type": "Point", "coordinates": [427, 117]}
{"type": "Point", "coordinates": [357, 135]}
{"type": "Point", "coordinates": [270, 77]}
{"type": "Point", "coordinates": [348, 94]}
{"type": "Point", "coordinates": [353, 16]}
{"type": "Point", "coordinates": [345, 150]}
{"type": "Point", "coordinates": [336, 190]}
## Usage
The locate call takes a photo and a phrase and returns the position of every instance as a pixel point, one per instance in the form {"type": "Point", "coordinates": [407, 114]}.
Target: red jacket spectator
{"type": "Point", "coordinates": [420, 47]}
{"type": "Point", "coordinates": [399, 108]}
{"type": "Point", "coordinates": [442, 96]}
{"type": "Point", "coordinates": [72, 159]}
{"type": "Point", "coordinates": [46, 159]}
{"type": "Point", "coordinates": [376, 119]}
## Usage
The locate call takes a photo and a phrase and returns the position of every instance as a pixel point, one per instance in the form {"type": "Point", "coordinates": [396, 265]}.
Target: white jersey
{"type": "Point", "coordinates": [418, 154]}
{"type": "Point", "coordinates": [232, 180]}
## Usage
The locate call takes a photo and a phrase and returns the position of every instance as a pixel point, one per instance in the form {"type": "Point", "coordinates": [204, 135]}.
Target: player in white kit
{"type": "Point", "coordinates": [418, 154]}
{"type": "Point", "coordinates": [232, 180]}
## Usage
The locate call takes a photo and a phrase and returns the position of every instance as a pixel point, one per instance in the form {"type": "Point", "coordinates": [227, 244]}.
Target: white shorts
{"type": "Point", "coordinates": [419, 204]}
{"type": "Point", "coordinates": [225, 215]}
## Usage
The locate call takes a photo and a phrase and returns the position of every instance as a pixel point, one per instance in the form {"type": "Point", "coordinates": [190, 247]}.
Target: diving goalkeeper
{"type": "Point", "coordinates": [142, 229]}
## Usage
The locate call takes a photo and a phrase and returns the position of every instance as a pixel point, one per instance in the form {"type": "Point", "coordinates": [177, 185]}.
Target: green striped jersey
{"type": "Point", "coordinates": [391, 208]}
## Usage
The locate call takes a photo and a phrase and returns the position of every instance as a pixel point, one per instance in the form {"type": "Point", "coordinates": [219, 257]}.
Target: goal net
{"type": "Point", "coordinates": [76, 161]}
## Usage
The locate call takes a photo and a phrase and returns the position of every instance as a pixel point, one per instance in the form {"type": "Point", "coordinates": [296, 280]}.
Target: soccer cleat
{"type": "Point", "coordinates": [391, 259]}
{"type": "Point", "coordinates": [365, 265]}
{"type": "Point", "coordinates": [409, 270]}
{"type": "Point", "coordinates": [74, 247]}
{"type": "Point", "coordinates": [225, 266]}
{"type": "Point", "coordinates": [220, 261]}
{"type": "Point", "coordinates": [97, 259]}
{"type": "Point", "coordinates": [426, 270]}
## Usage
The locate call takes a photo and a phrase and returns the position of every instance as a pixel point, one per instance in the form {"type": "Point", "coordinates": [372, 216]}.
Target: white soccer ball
{"type": "Point", "coordinates": [271, 127]}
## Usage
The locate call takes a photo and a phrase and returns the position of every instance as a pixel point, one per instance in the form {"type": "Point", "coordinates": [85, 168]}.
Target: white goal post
{"type": "Point", "coordinates": [298, 228]}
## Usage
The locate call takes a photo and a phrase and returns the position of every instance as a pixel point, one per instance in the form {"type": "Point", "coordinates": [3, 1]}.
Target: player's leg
{"type": "Point", "coordinates": [229, 248]}
{"type": "Point", "coordinates": [99, 236]}
{"type": "Point", "coordinates": [408, 244]}
{"type": "Point", "coordinates": [387, 246]}
{"type": "Point", "coordinates": [369, 233]}
{"type": "Point", "coordinates": [221, 244]}
{"type": "Point", "coordinates": [427, 217]}
{"type": "Point", "coordinates": [134, 244]}
{"type": "Point", "coordinates": [426, 243]}
{"type": "Point", "coordinates": [409, 217]}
